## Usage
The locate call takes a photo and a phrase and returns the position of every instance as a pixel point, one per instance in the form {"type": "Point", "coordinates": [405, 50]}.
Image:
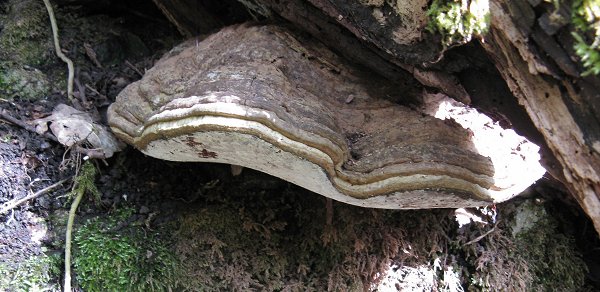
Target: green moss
{"type": "Point", "coordinates": [85, 181]}
{"type": "Point", "coordinates": [26, 36]}
{"type": "Point", "coordinates": [25, 83]}
{"type": "Point", "coordinates": [38, 273]}
{"type": "Point", "coordinates": [456, 22]}
{"type": "Point", "coordinates": [550, 254]}
{"type": "Point", "coordinates": [25, 45]}
{"type": "Point", "coordinates": [525, 251]}
{"type": "Point", "coordinates": [586, 19]}
{"type": "Point", "coordinates": [129, 259]}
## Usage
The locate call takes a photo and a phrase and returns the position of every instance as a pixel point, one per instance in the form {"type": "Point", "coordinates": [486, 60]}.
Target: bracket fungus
{"type": "Point", "coordinates": [262, 98]}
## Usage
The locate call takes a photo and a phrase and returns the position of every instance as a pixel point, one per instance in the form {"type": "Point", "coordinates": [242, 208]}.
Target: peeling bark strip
{"type": "Point", "coordinates": [259, 97]}
{"type": "Point", "coordinates": [564, 109]}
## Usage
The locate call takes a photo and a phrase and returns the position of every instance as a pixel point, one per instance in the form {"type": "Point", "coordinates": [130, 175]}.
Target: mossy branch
{"type": "Point", "coordinates": [59, 52]}
{"type": "Point", "coordinates": [84, 182]}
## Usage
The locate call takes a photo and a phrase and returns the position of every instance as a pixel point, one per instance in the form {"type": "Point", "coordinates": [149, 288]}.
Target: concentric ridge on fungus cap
{"type": "Point", "coordinates": [258, 97]}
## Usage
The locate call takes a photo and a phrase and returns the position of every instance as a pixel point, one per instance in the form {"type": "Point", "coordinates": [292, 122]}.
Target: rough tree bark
{"type": "Point", "coordinates": [532, 54]}
{"type": "Point", "coordinates": [565, 107]}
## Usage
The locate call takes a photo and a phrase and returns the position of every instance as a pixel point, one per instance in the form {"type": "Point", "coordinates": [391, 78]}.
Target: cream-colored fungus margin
{"type": "Point", "coordinates": [251, 144]}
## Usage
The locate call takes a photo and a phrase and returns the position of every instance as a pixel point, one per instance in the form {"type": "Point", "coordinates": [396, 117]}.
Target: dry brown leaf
{"type": "Point", "coordinates": [71, 126]}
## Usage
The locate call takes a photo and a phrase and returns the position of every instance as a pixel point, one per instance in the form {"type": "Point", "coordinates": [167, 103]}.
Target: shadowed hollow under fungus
{"type": "Point", "coordinates": [263, 98]}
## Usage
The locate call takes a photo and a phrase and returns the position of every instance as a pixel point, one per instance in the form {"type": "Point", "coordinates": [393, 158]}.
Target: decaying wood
{"type": "Point", "coordinates": [266, 98]}
{"type": "Point", "coordinates": [564, 108]}
{"type": "Point", "coordinates": [395, 27]}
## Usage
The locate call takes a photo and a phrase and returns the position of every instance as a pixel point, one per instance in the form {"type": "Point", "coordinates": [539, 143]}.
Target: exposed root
{"type": "Point", "coordinates": [74, 205]}
{"type": "Point", "coordinates": [59, 52]}
{"type": "Point", "coordinates": [84, 182]}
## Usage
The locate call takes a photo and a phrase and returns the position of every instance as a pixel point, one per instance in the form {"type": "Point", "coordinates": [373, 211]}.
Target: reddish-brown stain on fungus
{"type": "Point", "coordinates": [207, 154]}
{"type": "Point", "coordinates": [189, 140]}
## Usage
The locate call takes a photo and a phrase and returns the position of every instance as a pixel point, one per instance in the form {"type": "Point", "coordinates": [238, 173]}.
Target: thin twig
{"type": "Point", "coordinates": [11, 218]}
{"type": "Point", "coordinates": [95, 91]}
{"type": "Point", "coordinates": [59, 52]}
{"type": "Point", "coordinates": [80, 90]}
{"type": "Point", "coordinates": [134, 68]}
{"type": "Point", "coordinates": [4, 115]}
{"type": "Point", "coordinates": [480, 237]}
{"type": "Point", "coordinates": [96, 153]}
{"type": "Point", "coordinates": [12, 103]}
{"type": "Point", "coordinates": [16, 202]}
{"type": "Point", "coordinates": [92, 153]}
